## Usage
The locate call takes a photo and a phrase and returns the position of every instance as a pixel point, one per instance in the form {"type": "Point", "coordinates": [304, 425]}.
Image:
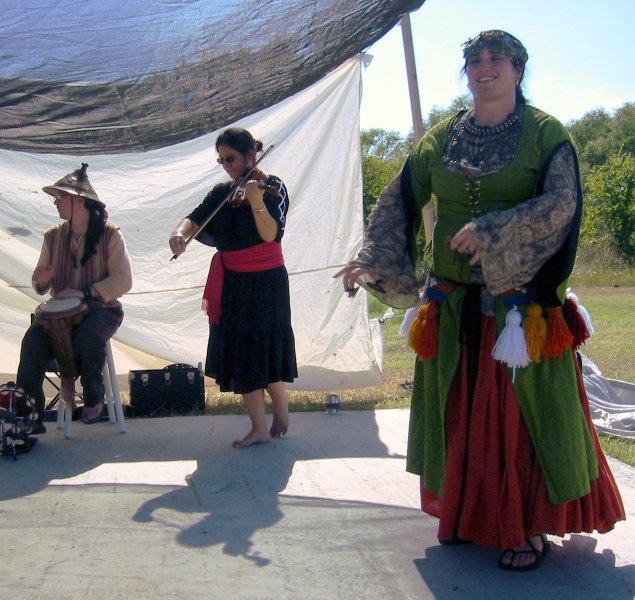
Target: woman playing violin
{"type": "Point", "coordinates": [251, 344]}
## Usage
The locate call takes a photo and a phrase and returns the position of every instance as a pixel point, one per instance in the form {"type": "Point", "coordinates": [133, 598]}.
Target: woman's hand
{"type": "Point", "coordinates": [183, 230]}
{"type": "Point", "coordinates": [350, 275]}
{"type": "Point", "coordinates": [465, 242]}
{"type": "Point", "coordinates": [42, 276]}
{"type": "Point", "coordinates": [177, 243]}
{"type": "Point", "coordinates": [254, 194]}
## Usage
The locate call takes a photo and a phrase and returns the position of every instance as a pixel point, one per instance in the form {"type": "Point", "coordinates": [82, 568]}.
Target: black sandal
{"type": "Point", "coordinates": [539, 555]}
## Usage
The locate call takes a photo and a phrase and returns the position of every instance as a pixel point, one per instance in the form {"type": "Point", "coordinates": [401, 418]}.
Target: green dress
{"type": "Point", "coordinates": [560, 440]}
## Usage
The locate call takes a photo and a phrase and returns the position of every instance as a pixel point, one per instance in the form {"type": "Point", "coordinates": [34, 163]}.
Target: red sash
{"type": "Point", "coordinates": [262, 257]}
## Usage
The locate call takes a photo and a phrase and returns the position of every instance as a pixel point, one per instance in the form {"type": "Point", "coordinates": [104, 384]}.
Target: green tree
{"type": "Point", "coordinates": [624, 128]}
{"type": "Point", "coordinates": [383, 144]}
{"type": "Point", "coordinates": [598, 135]}
{"type": "Point", "coordinates": [610, 205]}
{"type": "Point", "coordinates": [438, 113]}
{"type": "Point", "coordinates": [593, 125]}
{"type": "Point", "coordinates": [383, 154]}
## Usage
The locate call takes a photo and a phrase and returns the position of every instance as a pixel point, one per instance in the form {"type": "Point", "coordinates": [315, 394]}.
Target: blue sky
{"type": "Point", "coordinates": [581, 56]}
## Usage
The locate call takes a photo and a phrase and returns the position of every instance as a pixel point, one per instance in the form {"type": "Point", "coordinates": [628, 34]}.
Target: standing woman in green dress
{"type": "Point", "coordinates": [500, 430]}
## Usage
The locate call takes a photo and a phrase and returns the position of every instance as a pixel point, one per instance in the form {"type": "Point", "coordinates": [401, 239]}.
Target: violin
{"type": "Point", "coordinates": [230, 195]}
{"type": "Point", "coordinates": [261, 178]}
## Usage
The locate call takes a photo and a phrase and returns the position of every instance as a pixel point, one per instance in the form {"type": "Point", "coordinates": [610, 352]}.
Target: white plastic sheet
{"type": "Point", "coordinates": [316, 153]}
{"type": "Point", "coordinates": [611, 401]}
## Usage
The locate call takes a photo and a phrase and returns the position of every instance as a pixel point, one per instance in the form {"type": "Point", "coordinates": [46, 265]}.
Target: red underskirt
{"type": "Point", "coordinates": [499, 497]}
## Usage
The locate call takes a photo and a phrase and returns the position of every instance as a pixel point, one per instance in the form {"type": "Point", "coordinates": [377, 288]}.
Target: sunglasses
{"type": "Point", "coordinates": [229, 160]}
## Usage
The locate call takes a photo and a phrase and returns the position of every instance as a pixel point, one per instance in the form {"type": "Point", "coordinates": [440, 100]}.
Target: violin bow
{"type": "Point", "coordinates": [226, 199]}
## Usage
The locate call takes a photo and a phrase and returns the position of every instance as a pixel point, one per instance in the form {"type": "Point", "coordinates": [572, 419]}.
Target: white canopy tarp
{"type": "Point", "coordinates": [316, 153]}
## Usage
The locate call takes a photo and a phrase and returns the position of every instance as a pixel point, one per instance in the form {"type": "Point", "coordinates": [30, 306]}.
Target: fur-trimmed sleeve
{"type": "Point", "coordinates": [514, 244]}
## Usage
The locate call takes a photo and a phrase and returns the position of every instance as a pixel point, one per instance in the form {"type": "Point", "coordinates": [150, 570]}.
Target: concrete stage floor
{"type": "Point", "coordinates": [170, 510]}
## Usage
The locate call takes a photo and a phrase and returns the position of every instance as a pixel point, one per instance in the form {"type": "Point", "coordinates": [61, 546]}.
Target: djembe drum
{"type": "Point", "coordinates": [59, 316]}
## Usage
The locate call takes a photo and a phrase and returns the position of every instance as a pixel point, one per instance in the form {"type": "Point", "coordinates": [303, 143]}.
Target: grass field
{"type": "Point", "coordinates": [611, 348]}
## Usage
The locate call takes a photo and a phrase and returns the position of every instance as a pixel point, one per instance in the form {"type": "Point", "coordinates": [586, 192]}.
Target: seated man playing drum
{"type": "Point", "coordinates": [84, 257]}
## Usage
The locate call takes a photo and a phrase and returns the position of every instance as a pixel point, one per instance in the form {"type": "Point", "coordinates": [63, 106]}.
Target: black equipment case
{"type": "Point", "coordinates": [174, 390]}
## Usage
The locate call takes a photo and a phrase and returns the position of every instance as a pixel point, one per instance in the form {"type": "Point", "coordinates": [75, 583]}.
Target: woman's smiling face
{"type": "Point", "coordinates": [491, 75]}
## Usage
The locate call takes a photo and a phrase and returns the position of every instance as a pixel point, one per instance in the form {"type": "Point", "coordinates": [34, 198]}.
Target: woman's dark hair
{"type": "Point", "coordinates": [239, 139]}
{"type": "Point", "coordinates": [503, 43]}
{"type": "Point", "coordinates": [520, 97]}
{"type": "Point", "coordinates": [96, 226]}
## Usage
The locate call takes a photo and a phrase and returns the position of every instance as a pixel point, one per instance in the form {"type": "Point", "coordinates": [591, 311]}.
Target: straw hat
{"type": "Point", "coordinates": [75, 183]}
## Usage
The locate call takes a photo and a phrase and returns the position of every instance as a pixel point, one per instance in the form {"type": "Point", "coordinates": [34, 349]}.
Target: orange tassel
{"type": "Point", "coordinates": [575, 322]}
{"type": "Point", "coordinates": [415, 329]}
{"type": "Point", "coordinates": [535, 328]}
{"type": "Point", "coordinates": [423, 336]}
{"type": "Point", "coordinates": [559, 337]}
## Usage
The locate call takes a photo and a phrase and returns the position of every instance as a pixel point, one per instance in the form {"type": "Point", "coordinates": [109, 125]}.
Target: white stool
{"type": "Point", "coordinates": [113, 398]}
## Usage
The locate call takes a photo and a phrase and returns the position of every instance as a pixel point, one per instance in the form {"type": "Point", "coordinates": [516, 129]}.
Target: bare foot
{"type": "Point", "coordinates": [280, 409]}
{"type": "Point", "coordinates": [280, 423]}
{"type": "Point", "coordinates": [253, 437]}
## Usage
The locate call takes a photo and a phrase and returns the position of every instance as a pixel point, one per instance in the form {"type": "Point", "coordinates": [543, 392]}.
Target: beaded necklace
{"type": "Point", "coordinates": [489, 130]}
{"type": "Point", "coordinates": [479, 150]}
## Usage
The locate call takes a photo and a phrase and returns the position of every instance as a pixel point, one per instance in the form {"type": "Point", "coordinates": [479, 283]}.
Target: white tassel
{"type": "Point", "coordinates": [583, 311]}
{"type": "Point", "coordinates": [511, 346]}
{"type": "Point", "coordinates": [409, 317]}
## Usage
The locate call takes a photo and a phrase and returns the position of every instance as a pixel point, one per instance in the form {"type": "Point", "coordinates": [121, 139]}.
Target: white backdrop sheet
{"type": "Point", "coordinates": [316, 153]}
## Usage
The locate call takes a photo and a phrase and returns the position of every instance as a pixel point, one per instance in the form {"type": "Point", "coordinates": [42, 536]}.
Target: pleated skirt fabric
{"type": "Point", "coordinates": [494, 492]}
{"type": "Point", "coordinates": [253, 343]}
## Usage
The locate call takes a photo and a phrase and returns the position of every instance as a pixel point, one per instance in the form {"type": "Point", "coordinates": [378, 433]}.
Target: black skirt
{"type": "Point", "coordinates": [252, 345]}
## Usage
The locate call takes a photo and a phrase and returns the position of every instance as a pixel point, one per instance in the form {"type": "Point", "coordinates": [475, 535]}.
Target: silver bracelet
{"type": "Point", "coordinates": [258, 210]}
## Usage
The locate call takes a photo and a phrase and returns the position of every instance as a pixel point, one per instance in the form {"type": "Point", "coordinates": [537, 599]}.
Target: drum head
{"type": "Point", "coordinates": [59, 305]}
